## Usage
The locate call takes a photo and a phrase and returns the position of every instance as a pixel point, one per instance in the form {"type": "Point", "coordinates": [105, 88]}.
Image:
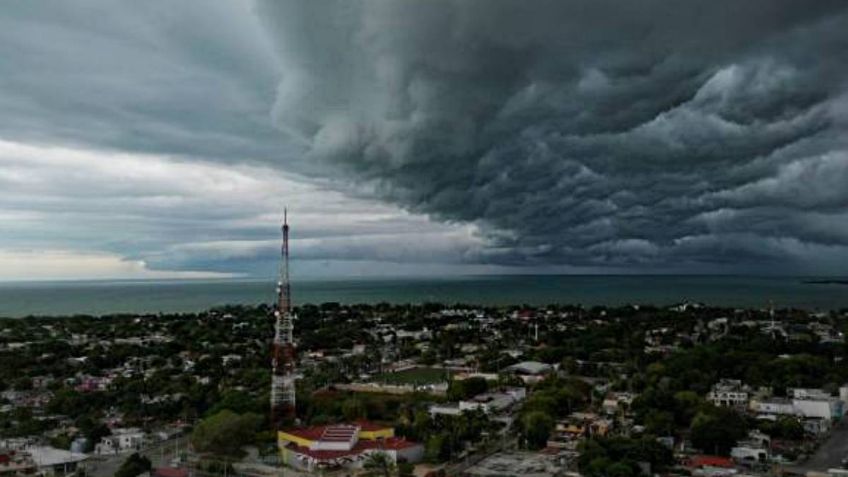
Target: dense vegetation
{"type": "Point", "coordinates": [212, 370]}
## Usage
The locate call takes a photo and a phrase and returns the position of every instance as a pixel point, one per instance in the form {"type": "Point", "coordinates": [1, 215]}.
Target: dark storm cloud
{"type": "Point", "coordinates": [654, 133]}
{"type": "Point", "coordinates": [192, 78]}
{"type": "Point", "coordinates": [609, 135]}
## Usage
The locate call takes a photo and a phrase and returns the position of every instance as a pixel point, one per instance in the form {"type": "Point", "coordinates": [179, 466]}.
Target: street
{"type": "Point", "coordinates": [830, 454]}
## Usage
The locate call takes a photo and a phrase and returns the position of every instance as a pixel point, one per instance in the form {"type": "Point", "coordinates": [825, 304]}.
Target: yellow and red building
{"type": "Point", "coordinates": [343, 445]}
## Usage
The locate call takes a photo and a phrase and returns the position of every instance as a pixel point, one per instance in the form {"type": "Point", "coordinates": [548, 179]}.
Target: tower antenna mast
{"type": "Point", "coordinates": [283, 372]}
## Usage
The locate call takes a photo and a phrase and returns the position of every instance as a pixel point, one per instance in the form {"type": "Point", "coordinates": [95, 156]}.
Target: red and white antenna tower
{"type": "Point", "coordinates": [283, 364]}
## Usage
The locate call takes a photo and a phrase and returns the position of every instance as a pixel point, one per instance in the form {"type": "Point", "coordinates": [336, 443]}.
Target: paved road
{"type": "Point", "coordinates": [830, 454]}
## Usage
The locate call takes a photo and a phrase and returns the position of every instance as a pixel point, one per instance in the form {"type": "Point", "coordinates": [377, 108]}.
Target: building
{"type": "Point", "coordinates": [753, 450]}
{"type": "Point", "coordinates": [15, 463]}
{"type": "Point", "coordinates": [729, 393]}
{"type": "Point", "coordinates": [808, 393]}
{"type": "Point", "coordinates": [494, 402]}
{"type": "Point", "coordinates": [530, 371]}
{"type": "Point", "coordinates": [445, 410]}
{"type": "Point", "coordinates": [343, 446]}
{"type": "Point", "coordinates": [710, 466]}
{"type": "Point", "coordinates": [773, 407]}
{"type": "Point", "coordinates": [816, 427]}
{"type": "Point", "coordinates": [52, 461]}
{"type": "Point", "coordinates": [615, 402]}
{"type": "Point", "coordinates": [121, 440]}
{"type": "Point", "coordinates": [812, 410]}
{"type": "Point", "coordinates": [582, 424]}
{"type": "Point", "coordinates": [821, 408]}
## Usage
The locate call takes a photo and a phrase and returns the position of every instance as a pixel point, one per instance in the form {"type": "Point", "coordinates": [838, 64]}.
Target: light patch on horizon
{"type": "Point", "coordinates": [101, 214]}
{"type": "Point", "coordinates": [70, 265]}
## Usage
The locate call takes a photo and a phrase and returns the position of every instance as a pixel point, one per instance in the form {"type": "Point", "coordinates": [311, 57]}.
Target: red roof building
{"type": "Point", "coordinates": [343, 445]}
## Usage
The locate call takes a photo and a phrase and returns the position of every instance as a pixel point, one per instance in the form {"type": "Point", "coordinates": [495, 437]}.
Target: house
{"type": "Point", "coordinates": [816, 427]}
{"type": "Point", "coordinates": [615, 402]}
{"type": "Point", "coordinates": [121, 440]}
{"type": "Point", "coordinates": [343, 446]}
{"type": "Point", "coordinates": [746, 454]}
{"type": "Point", "coordinates": [577, 426]}
{"type": "Point", "coordinates": [753, 450]}
{"type": "Point", "coordinates": [729, 393]}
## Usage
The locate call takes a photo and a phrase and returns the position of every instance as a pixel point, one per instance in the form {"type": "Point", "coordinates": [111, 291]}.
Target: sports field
{"type": "Point", "coordinates": [420, 376]}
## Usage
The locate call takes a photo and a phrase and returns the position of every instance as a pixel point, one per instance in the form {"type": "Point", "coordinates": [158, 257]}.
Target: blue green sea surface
{"type": "Point", "coordinates": [19, 299]}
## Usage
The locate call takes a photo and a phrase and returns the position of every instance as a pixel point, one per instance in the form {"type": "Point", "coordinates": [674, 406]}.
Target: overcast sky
{"type": "Point", "coordinates": [161, 139]}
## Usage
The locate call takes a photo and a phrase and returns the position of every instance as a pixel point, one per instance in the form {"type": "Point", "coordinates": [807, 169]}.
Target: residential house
{"type": "Point", "coordinates": [121, 440]}
{"type": "Point", "coordinates": [729, 393]}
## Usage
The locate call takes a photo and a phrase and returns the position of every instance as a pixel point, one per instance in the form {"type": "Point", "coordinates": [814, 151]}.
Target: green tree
{"type": "Point", "coordinates": [660, 423]}
{"type": "Point", "coordinates": [353, 409]}
{"type": "Point", "coordinates": [238, 402]}
{"type": "Point", "coordinates": [135, 465]}
{"type": "Point", "coordinates": [225, 433]}
{"type": "Point", "coordinates": [436, 449]}
{"type": "Point", "coordinates": [467, 388]}
{"type": "Point", "coordinates": [379, 464]}
{"type": "Point", "coordinates": [537, 429]}
{"type": "Point", "coordinates": [717, 430]}
{"type": "Point", "coordinates": [405, 469]}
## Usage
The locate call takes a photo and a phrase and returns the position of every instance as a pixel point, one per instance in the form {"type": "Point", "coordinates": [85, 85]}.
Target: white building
{"type": "Point", "coordinates": [774, 407]}
{"type": "Point", "coordinates": [729, 393]}
{"type": "Point", "coordinates": [808, 393]}
{"type": "Point", "coordinates": [121, 440]}
{"type": "Point", "coordinates": [51, 461]}
{"type": "Point", "coordinates": [530, 371]}
{"type": "Point", "coordinates": [494, 402]}
{"type": "Point", "coordinates": [749, 454]}
{"type": "Point", "coordinates": [827, 408]}
{"type": "Point", "coordinates": [445, 410]}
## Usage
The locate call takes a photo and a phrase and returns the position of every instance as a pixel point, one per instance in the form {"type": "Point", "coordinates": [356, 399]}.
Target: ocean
{"type": "Point", "coordinates": [18, 299]}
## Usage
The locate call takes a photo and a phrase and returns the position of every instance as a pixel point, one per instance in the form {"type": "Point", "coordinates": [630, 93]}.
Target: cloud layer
{"type": "Point", "coordinates": [409, 136]}
{"type": "Point", "coordinates": [89, 214]}
{"type": "Point", "coordinates": [646, 134]}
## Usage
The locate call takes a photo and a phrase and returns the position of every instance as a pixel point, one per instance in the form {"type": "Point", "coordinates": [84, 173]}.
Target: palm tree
{"type": "Point", "coordinates": [379, 464]}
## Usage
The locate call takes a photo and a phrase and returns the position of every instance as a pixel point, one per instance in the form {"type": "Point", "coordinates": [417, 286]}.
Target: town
{"type": "Point", "coordinates": [431, 389]}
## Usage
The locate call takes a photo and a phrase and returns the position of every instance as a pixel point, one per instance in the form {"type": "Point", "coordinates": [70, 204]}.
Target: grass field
{"type": "Point", "coordinates": [422, 375]}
